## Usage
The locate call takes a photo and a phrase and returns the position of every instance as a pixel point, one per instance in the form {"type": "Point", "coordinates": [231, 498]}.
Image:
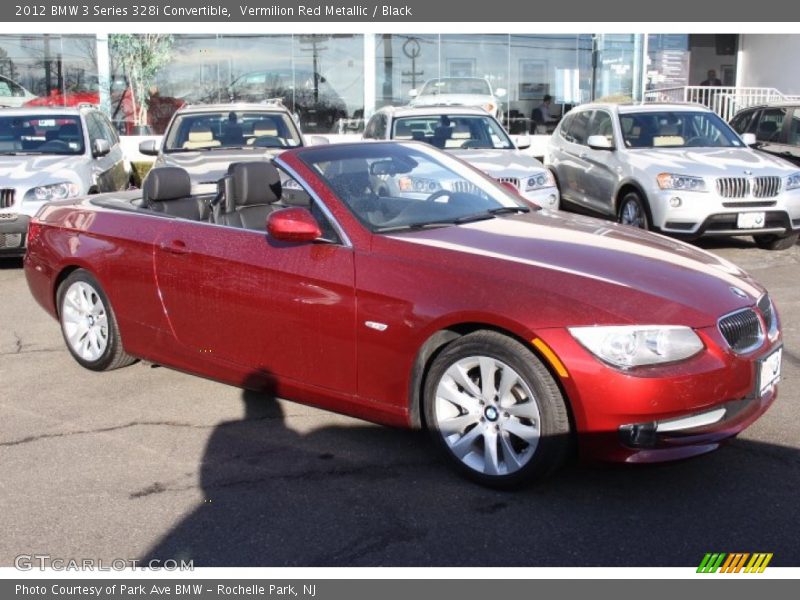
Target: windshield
{"type": "Point", "coordinates": [41, 134]}
{"type": "Point", "coordinates": [457, 85]}
{"type": "Point", "coordinates": [232, 129]}
{"type": "Point", "coordinates": [453, 131]}
{"type": "Point", "coordinates": [679, 129]}
{"type": "Point", "coordinates": [394, 187]}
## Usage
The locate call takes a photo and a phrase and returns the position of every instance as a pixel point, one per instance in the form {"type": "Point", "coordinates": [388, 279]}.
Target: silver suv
{"type": "Point", "coordinates": [676, 168]}
{"type": "Point", "coordinates": [52, 154]}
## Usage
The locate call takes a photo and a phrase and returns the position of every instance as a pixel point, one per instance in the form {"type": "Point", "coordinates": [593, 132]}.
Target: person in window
{"type": "Point", "coordinates": [232, 133]}
{"type": "Point", "coordinates": [712, 80]}
{"type": "Point", "coordinates": [541, 116]}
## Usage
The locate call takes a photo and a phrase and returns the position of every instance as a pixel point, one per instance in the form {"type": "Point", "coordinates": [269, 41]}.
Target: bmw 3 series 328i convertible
{"type": "Point", "coordinates": [392, 282]}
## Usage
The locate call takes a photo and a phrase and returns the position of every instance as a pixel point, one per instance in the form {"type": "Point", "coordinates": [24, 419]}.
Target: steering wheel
{"type": "Point", "coordinates": [438, 194]}
{"type": "Point", "coordinates": [698, 140]}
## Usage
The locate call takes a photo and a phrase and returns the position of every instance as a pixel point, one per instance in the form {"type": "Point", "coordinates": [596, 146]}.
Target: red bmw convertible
{"type": "Point", "coordinates": [392, 282]}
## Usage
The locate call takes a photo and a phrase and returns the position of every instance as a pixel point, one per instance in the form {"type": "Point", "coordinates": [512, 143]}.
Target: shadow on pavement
{"type": "Point", "coordinates": [10, 262]}
{"type": "Point", "coordinates": [366, 495]}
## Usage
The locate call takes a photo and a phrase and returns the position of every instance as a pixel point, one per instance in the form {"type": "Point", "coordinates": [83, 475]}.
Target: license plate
{"type": "Point", "coordinates": [769, 372]}
{"type": "Point", "coordinates": [750, 220]}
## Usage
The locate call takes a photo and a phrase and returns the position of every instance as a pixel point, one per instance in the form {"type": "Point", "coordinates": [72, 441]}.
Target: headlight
{"type": "Point", "coordinates": [418, 184]}
{"type": "Point", "coordinates": [628, 346]}
{"type": "Point", "coordinates": [537, 181]}
{"type": "Point", "coordinates": [793, 181]}
{"type": "Point", "coordinates": [670, 181]}
{"type": "Point", "coordinates": [54, 191]}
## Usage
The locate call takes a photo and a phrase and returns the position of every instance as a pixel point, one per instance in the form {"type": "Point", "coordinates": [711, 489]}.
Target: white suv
{"type": "Point", "coordinates": [675, 168]}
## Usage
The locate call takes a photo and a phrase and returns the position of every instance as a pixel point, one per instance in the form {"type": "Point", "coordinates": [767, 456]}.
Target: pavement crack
{"type": "Point", "coordinates": [17, 342]}
{"type": "Point", "coordinates": [47, 436]}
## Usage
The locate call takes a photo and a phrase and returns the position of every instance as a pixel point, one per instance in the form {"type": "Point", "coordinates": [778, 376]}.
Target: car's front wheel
{"type": "Point", "coordinates": [776, 242]}
{"type": "Point", "coordinates": [496, 410]}
{"type": "Point", "coordinates": [632, 211]}
{"type": "Point", "coordinates": [88, 324]}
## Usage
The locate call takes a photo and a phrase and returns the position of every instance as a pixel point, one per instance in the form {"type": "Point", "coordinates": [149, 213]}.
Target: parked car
{"type": "Point", "coordinates": [776, 128]}
{"type": "Point", "coordinates": [674, 168]}
{"type": "Point", "coordinates": [307, 94]}
{"type": "Point", "coordinates": [512, 334]}
{"type": "Point", "coordinates": [205, 139]}
{"type": "Point", "coordinates": [460, 91]}
{"type": "Point", "coordinates": [474, 136]}
{"type": "Point", "coordinates": [12, 94]}
{"type": "Point", "coordinates": [52, 154]}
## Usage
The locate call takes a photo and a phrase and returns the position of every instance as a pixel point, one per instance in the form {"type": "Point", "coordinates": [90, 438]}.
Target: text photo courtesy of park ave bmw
{"type": "Point", "coordinates": [321, 300]}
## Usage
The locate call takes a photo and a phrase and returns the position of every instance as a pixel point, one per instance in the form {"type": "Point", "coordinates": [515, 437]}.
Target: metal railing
{"type": "Point", "coordinates": [726, 101]}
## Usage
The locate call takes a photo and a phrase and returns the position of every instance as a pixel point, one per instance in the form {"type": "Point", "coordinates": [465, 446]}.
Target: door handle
{"type": "Point", "coordinates": [174, 247]}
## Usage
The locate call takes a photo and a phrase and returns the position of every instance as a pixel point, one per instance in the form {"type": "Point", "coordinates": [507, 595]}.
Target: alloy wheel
{"type": "Point", "coordinates": [85, 321]}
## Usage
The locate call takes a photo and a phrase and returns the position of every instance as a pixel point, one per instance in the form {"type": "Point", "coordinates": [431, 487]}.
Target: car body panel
{"type": "Point", "coordinates": [342, 324]}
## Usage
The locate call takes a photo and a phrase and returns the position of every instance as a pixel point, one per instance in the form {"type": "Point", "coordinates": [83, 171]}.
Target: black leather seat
{"type": "Point", "coordinates": [169, 190]}
{"type": "Point", "coordinates": [250, 196]}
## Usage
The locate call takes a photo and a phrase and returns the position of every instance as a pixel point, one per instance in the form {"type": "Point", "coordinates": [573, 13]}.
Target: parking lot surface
{"type": "Point", "coordinates": [145, 462]}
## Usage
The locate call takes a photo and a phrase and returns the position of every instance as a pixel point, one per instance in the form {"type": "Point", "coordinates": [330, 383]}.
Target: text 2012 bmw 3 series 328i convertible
{"type": "Point", "coordinates": [513, 334]}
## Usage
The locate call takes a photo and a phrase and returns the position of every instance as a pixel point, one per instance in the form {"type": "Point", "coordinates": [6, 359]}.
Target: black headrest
{"type": "Point", "coordinates": [166, 183]}
{"type": "Point", "coordinates": [68, 130]}
{"type": "Point", "coordinates": [255, 182]}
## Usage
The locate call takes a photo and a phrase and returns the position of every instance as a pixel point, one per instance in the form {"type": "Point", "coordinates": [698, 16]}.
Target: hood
{"type": "Point", "coordinates": [713, 162]}
{"type": "Point", "coordinates": [208, 166]}
{"type": "Point", "coordinates": [500, 163]}
{"type": "Point", "coordinates": [602, 272]}
{"type": "Point", "coordinates": [32, 170]}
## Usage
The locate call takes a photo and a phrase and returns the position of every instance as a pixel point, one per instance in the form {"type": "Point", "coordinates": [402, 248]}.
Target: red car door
{"type": "Point", "coordinates": [239, 297]}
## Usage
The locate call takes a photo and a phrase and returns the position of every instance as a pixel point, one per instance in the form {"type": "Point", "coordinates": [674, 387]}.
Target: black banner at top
{"type": "Point", "coordinates": [623, 11]}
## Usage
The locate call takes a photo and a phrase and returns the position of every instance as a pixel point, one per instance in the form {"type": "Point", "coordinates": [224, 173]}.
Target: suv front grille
{"type": "Point", "coordinates": [512, 180]}
{"type": "Point", "coordinates": [10, 240]}
{"type": "Point", "coordinates": [742, 187]}
{"type": "Point", "coordinates": [6, 197]}
{"type": "Point", "coordinates": [742, 330]}
{"type": "Point", "coordinates": [464, 186]}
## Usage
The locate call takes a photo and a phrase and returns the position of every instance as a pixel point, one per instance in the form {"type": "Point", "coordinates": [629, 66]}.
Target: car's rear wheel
{"type": "Point", "coordinates": [632, 211]}
{"type": "Point", "coordinates": [88, 324]}
{"type": "Point", "coordinates": [496, 410]}
{"type": "Point", "coordinates": [776, 242]}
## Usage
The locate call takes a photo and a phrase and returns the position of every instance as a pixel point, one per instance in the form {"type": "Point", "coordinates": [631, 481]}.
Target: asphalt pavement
{"type": "Point", "coordinates": [145, 462]}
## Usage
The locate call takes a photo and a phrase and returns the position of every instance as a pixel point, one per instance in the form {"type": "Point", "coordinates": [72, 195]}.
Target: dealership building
{"type": "Point", "coordinates": [345, 77]}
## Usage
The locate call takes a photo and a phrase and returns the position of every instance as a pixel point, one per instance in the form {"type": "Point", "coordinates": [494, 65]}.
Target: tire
{"type": "Point", "coordinates": [633, 211]}
{"type": "Point", "coordinates": [88, 324]}
{"type": "Point", "coordinates": [775, 242]}
{"type": "Point", "coordinates": [528, 425]}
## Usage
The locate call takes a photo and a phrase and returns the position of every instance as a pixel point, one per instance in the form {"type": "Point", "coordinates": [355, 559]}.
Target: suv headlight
{"type": "Point", "coordinates": [626, 346]}
{"type": "Point", "coordinates": [537, 181]}
{"type": "Point", "coordinates": [418, 184]}
{"type": "Point", "coordinates": [53, 191]}
{"type": "Point", "coordinates": [670, 181]}
{"type": "Point", "coordinates": [793, 181]}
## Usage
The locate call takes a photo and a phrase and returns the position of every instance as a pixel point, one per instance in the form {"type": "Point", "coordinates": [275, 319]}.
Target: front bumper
{"type": "Point", "coordinates": [708, 214]}
{"type": "Point", "coordinates": [13, 231]}
{"type": "Point", "coordinates": [699, 402]}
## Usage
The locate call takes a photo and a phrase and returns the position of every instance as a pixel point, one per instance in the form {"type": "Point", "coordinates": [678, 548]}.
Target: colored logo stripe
{"type": "Point", "coordinates": [735, 562]}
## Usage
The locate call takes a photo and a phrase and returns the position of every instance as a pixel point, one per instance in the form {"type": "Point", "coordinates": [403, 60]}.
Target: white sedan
{"type": "Point", "coordinates": [474, 136]}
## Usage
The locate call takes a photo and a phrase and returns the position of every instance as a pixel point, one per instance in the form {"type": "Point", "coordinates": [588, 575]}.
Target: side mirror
{"type": "Point", "coordinates": [523, 141]}
{"type": "Point", "coordinates": [749, 139]}
{"type": "Point", "coordinates": [100, 148]}
{"type": "Point", "coordinates": [293, 225]}
{"type": "Point", "coordinates": [318, 140]}
{"type": "Point", "coordinates": [599, 142]}
{"type": "Point", "coordinates": [148, 148]}
{"type": "Point", "coordinates": [413, 93]}
{"type": "Point", "coordinates": [500, 92]}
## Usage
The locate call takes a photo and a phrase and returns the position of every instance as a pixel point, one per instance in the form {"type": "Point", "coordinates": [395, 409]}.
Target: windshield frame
{"type": "Point", "coordinates": [731, 138]}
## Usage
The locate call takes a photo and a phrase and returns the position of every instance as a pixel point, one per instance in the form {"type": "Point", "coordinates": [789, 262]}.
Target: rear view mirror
{"type": "Point", "coordinates": [148, 148]}
{"type": "Point", "coordinates": [500, 92]}
{"type": "Point", "coordinates": [749, 139]}
{"type": "Point", "coordinates": [318, 140]}
{"type": "Point", "coordinates": [392, 166]}
{"type": "Point", "coordinates": [413, 93]}
{"type": "Point", "coordinates": [599, 142]}
{"type": "Point", "coordinates": [523, 141]}
{"type": "Point", "coordinates": [294, 224]}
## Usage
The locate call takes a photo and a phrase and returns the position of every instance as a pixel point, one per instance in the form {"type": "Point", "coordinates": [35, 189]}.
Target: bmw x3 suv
{"type": "Point", "coordinates": [675, 168]}
{"type": "Point", "coordinates": [53, 154]}
{"type": "Point", "coordinates": [474, 136]}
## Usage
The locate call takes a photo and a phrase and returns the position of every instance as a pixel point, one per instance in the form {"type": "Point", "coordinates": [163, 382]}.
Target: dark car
{"type": "Point", "coordinates": [776, 127]}
{"type": "Point", "coordinates": [511, 333]}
